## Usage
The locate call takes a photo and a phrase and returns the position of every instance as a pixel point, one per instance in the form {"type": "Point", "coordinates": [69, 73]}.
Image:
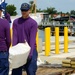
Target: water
{"type": "Point", "coordinates": [41, 34]}
{"type": "Point", "coordinates": [61, 38]}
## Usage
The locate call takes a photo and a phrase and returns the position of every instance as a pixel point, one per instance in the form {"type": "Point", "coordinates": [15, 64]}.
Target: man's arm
{"type": "Point", "coordinates": [15, 36]}
{"type": "Point", "coordinates": [33, 33]}
{"type": "Point", "coordinates": [8, 37]}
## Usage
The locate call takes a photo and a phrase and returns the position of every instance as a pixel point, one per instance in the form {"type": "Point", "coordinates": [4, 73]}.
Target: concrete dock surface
{"type": "Point", "coordinates": [57, 58]}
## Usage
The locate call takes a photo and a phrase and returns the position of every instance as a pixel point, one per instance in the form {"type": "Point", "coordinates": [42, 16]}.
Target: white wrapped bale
{"type": "Point", "coordinates": [18, 55]}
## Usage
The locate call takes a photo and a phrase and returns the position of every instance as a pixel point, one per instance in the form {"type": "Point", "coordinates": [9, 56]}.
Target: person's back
{"type": "Point", "coordinates": [5, 42]}
{"type": "Point", "coordinates": [4, 35]}
{"type": "Point", "coordinates": [7, 16]}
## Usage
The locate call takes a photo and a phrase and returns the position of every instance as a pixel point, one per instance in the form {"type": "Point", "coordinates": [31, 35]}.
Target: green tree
{"type": "Point", "coordinates": [31, 2]}
{"type": "Point", "coordinates": [32, 5]}
{"type": "Point", "coordinates": [72, 12]}
{"type": "Point", "coordinates": [11, 9]}
{"type": "Point", "coordinates": [67, 13]}
{"type": "Point", "coordinates": [50, 10]}
{"type": "Point", "coordinates": [39, 10]}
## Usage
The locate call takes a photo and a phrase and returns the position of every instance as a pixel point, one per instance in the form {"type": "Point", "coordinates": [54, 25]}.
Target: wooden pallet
{"type": "Point", "coordinates": [53, 71]}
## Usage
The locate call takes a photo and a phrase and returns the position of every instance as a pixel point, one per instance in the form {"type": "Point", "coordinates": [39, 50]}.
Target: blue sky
{"type": "Point", "coordinates": [60, 5]}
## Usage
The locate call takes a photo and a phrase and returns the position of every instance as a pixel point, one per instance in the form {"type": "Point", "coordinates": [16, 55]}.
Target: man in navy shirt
{"type": "Point", "coordinates": [5, 42]}
{"type": "Point", "coordinates": [25, 28]}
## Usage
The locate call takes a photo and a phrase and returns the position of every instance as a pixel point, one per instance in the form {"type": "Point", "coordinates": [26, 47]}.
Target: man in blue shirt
{"type": "Point", "coordinates": [5, 42]}
{"type": "Point", "coordinates": [25, 28]}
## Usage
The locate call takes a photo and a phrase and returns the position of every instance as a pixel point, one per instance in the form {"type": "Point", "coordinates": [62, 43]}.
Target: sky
{"type": "Point", "coordinates": [59, 5]}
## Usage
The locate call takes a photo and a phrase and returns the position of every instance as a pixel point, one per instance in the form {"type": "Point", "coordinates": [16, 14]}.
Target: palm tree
{"type": "Point", "coordinates": [33, 6]}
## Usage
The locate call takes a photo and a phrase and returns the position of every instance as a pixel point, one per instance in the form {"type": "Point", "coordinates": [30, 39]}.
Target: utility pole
{"type": "Point", "coordinates": [35, 6]}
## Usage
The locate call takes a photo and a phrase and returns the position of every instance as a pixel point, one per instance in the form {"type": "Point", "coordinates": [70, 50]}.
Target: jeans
{"type": "Point", "coordinates": [30, 67]}
{"type": "Point", "coordinates": [4, 63]}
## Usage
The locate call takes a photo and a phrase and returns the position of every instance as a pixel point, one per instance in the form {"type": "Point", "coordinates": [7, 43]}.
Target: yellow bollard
{"type": "Point", "coordinates": [57, 40]}
{"type": "Point", "coordinates": [11, 36]}
{"type": "Point", "coordinates": [37, 41]}
{"type": "Point", "coordinates": [47, 40]}
{"type": "Point", "coordinates": [65, 39]}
